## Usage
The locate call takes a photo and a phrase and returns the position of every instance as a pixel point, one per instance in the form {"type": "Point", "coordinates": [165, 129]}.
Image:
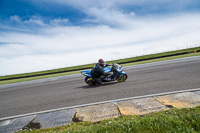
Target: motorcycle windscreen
{"type": "Point", "coordinates": [86, 73]}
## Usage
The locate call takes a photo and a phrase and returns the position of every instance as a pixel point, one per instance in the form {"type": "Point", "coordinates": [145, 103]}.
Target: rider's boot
{"type": "Point", "coordinates": [112, 78]}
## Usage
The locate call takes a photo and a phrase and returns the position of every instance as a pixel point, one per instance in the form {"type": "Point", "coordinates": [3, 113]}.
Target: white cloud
{"type": "Point", "coordinates": [131, 14]}
{"type": "Point", "coordinates": [62, 46]}
{"type": "Point", "coordinates": [58, 21]}
{"type": "Point", "coordinates": [39, 21]}
{"type": "Point", "coordinates": [107, 16]}
{"type": "Point", "coordinates": [15, 18]}
{"type": "Point", "coordinates": [35, 20]}
{"type": "Point", "coordinates": [117, 34]}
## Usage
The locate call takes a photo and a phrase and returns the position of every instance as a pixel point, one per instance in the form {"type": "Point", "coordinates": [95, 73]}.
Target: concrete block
{"type": "Point", "coordinates": [140, 106]}
{"type": "Point", "coordinates": [13, 125]}
{"type": "Point", "coordinates": [53, 119]}
{"type": "Point", "coordinates": [180, 100]}
{"type": "Point", "coordinates": [97, 113]}
{"type": "Point", "coordinates": [197, 92]}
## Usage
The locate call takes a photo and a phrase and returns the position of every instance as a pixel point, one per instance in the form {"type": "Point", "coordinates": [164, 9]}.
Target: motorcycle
{"type": "Point", "coordinates": [118, 74]}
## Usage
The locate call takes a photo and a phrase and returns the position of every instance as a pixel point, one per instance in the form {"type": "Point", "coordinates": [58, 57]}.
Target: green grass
{"type": "Point", "coordinates": [38, 77]}
{"type": "Point", "coordinates": [185, 120]}
{"type": "Point", "coordinates": [189, 50]}
{"type": "Point", "coordinates": [48, 75]}
{"type": "Point", "coordinates": [162, 59]}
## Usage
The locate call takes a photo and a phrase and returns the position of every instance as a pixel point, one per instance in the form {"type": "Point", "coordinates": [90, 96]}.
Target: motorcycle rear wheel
{"type": "Point", "coordinates": [122, 78]}
{"type": "Point", "coordinates": [89, 81]}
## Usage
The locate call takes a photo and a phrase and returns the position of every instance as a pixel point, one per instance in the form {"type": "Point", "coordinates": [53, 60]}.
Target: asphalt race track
{"type": "Point", "coordinates": [152, 78]}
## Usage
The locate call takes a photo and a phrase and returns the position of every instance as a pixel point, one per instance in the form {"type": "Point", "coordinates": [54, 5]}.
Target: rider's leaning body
{"type": "Point", "coordinates": [98, 71]}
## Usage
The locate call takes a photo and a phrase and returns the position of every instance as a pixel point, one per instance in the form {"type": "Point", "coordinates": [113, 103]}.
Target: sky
{"type": "Point", "coordinates": [38, 35]}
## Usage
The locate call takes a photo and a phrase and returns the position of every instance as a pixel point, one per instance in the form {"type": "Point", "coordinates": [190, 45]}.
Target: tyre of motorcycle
{"type": "Point", "coordinates": [89, 81]}
{"type": "Point", "coordinates": [122, 77]}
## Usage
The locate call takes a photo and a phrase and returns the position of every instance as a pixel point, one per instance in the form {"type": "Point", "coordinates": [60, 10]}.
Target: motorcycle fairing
{"type": "Point", "coordinates": [107, 69]}
{"type": "Point", "coordinates": [121, 72]}
{"type": "Point", "coordinates": [86, 73]}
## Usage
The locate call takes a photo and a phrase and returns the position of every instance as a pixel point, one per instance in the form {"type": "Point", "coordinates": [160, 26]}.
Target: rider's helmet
{"type": "Point", "coordinates": [102, 62]}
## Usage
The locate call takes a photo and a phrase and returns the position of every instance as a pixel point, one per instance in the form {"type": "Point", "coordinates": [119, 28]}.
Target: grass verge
{"type": "Point", "coordinates": [185, 120]}
{"type": "Point", "coordinates": [37, 77]}
{"type": "Point", "coordinates": [71, 70]}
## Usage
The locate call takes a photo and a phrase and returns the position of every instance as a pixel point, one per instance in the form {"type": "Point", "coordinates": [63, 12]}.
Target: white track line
{"type": "Point", "coordinates": [110, 101]}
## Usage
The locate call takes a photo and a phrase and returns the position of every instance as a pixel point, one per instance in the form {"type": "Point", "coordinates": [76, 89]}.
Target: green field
{"type": "Point", "coordinates": [71, 70]}
{"type": "Point", "coordinates": [185, 120]}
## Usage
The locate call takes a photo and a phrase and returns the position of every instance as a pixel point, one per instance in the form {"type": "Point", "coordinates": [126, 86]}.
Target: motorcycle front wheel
{"type": "Point", "coordinates": [122, 77]}
{"type": "Point", "coordinates": [89, 81]}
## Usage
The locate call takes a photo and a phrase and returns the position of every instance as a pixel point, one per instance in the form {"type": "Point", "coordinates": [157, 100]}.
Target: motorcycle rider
{"type": "Point", "coordinates": [98, 71]}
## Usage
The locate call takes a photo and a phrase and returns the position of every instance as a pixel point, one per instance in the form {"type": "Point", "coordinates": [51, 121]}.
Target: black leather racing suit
{"type": "Point", "coordinates": [96, 72]}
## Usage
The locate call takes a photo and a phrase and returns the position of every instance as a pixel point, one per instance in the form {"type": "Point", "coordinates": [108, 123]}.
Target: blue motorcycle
{"type": "Point", "coordinates": [118, 74]}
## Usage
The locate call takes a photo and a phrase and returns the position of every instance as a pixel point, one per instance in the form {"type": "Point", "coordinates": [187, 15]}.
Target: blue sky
{"type": "Point", "coordinates": [78, 11]}
{"type": "Point", "coordinates": [42, 34]}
